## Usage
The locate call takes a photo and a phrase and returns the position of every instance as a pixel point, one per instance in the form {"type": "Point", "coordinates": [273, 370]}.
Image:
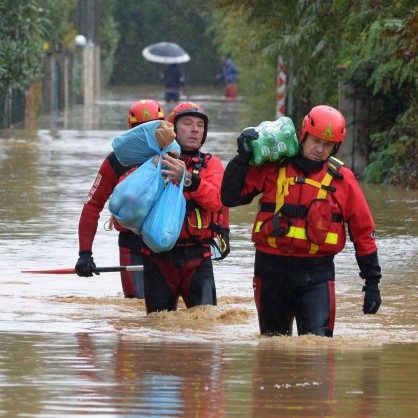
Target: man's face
{"type": "Point", "coordinates": [190, 130]}
{"type": "Point", "coordinates": [316, 149]}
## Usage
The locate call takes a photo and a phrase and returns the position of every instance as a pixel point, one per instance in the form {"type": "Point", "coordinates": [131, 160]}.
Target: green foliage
{"type": "Point", "coordinates": [302, 33]}
{"type": "Point", "coordinates": [257, 73]}
{"type": "Point", "coordinates": [27, 30]}
{"type": "Point", "coordinates": [382, 66]}
{"type": "Point", "coordinates": [23, 28]}
{"type": "Point", "coordinates": [395, 160]}
{"type": "Point", "coordinates": [109, 38]}
{"type": "Point", "coordinates": [63, 19]}
{"type": "Point", "coordinates": [374, 40]}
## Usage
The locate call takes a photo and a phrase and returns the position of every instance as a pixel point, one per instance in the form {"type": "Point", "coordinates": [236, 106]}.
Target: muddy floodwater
{"type": "Point", "coordinates": [72, 346]}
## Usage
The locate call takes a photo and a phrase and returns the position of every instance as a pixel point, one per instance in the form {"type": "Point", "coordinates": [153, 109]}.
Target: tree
{"type": "Point", "coordinates": [380, 59]}
{"type": "Point", "coordinates": [23, 28]}
{"type": "Point", "coordinates": [375, 40]}
{"type": "Point", "coordinates": [302, 32]}
{"type": "Point", "coordinates": [109, 38]}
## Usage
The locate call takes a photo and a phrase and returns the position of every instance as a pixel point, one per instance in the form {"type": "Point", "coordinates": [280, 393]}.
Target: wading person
{"type": "Point", "coordinates": [174, 79]}
{"type": "Point", "coordinates": [186, 270]}
{"type": "Point", "coordinates": [108, 177]}
{"type": "Point", "coordinates": [229, 75]}
{"type": "Point", "coordinates": [305, 203]}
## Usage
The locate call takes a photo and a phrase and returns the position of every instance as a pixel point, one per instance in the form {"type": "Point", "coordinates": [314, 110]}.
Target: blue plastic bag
{"type": "Point", "coordinates": [140, 144]}
{"type": "Point", "coordinates": [162, 226]}
{"type": "Point", "coordinates": [134, 197]}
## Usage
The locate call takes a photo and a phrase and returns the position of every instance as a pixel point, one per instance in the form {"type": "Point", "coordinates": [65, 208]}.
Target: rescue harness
{"type": "Point", "coordinates": [216, 229]}
{"type": "Point", "coordinates": [318, 214]}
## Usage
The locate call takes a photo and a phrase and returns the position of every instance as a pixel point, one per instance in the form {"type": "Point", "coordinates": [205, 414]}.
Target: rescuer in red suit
{"type": "Point", "coordinates": [110, 174]}
{"type": "Point", "coordinates": [306, 202]}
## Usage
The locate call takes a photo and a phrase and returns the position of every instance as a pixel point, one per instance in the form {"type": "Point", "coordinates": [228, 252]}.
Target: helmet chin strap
{"type": "Point", "coordinates": [334, 150]}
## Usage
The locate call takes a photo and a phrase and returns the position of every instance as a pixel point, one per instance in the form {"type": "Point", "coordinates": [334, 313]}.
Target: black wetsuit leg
{"type": "Point", "coordinates": [288, 288]}
{"type": "Point", "coordinates": [274, 306]}
{"type": "Point", "coordinates": [183, 271]}
{"type": "Point", "coordinates": [160, 294]}
{"type": "Point", "coordinates": [315, 309]}
{"type": "Point", "coordinates": [198, 286]}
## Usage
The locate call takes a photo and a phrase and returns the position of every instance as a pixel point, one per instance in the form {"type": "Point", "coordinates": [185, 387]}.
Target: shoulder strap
{"type": "Point", "coordinates": [202, 162]}
{"type": "Point", "coordinates": [336, 162]}
{"type": "Point", "coordinates": [117, 167]}
{"type": "Point", "coordinates": [333, 171]}
{"type": "Point", "coordinates": [191, 204]}
{"type": "Point", "coordinates": [324, 186]}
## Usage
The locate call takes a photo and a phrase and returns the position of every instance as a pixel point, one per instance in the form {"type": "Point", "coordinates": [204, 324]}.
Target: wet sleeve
{"type": "Point", "coordinates": [225, 217]}
{"type": "Point", "coordinates": [106, 180]}
{"type": "Point", "coordinates": [357, 215]}
{"type": "Point", "coordinates": [369, 268]}
{"type": "Point", "coordinates": [237, 188]}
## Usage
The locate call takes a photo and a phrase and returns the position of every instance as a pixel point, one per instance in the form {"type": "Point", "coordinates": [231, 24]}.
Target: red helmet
{"type": "Point", "coordinates": [144, 111]}
{"type": "Point", "coordinates": [326, 123]}
{"type": "Point", "coordinates": [190, 109]}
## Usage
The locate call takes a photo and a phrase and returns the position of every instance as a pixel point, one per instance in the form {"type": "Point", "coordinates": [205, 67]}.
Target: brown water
{"type": "Point", "coordinates": [73, 346]}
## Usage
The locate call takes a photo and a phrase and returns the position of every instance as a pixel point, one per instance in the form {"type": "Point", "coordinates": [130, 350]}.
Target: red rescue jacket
{"type": "Point", "coordinates": [204, 213]}
{"type": "Point", "coordinates": [106, 180]}
{"type": "Point", "coordinates": [304, 217]}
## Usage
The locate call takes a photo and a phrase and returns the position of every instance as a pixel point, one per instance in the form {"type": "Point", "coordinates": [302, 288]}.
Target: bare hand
{"type": "Point", "coordinates": [173, 168]}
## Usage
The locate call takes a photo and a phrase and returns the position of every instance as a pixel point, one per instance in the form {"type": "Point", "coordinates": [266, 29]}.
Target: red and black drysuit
{"type": "Point", "coordinates": [299, 228]}
{"type": "Point", "coordinates": [108, 177]}
{"type": "Point", "coordinates": [186, 270]}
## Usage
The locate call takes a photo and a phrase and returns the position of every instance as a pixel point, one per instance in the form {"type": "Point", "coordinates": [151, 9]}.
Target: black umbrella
{"type": "Point", "coordinates": [165, 53]}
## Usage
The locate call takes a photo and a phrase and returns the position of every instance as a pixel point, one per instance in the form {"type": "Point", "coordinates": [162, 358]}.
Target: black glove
{"type": "Point", "coordinates": [85, 264]}
{"type": "Point", "coordinates": [244, 151]}
{"type": "Point", "coordinates": [225, 237]}
{"type": "Point", "coordinates": [372, 299]}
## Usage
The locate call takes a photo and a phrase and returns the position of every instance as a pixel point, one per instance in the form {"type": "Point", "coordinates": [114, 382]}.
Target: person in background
{"type": "Point", "coordinates": [174, 79]}
{"type": "Point", "coordinates": [110, 174]}
{"type": "Point", "coordinates": [186, 270]}
{"type": "Point", "coordinates": [305, 203]}
{"type": "Point", "coordinates": [228, 75]}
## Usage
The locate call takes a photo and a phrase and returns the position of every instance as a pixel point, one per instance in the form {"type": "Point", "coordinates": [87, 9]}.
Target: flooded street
{"type": "Point", "coordinates": [74, 346]}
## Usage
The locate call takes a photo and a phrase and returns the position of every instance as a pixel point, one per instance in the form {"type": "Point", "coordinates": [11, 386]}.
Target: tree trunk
{"type": "Point", "coordinates": [7, 108]}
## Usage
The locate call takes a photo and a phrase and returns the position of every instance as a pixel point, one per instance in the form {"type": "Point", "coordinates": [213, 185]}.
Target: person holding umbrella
{"type": "Point", "coordinates": [110, 174]}
{"type": "Point", "coordinates": [170, 54]}
{"type": "Point", "coordinates": [174, 79]}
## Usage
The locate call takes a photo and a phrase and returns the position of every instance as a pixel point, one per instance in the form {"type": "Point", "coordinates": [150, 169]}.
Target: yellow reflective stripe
{"type": "Point", "coordinates": [258, 226]}
{"type": "Point", "coordinates": [300, 233]}
{"type": "Point", "coordinates": [282, 188]}
{"type": "Point", "coordinates": [296, 232]}
{"type": "Point", "coordinates": [335, 160]}
{"type": "Point", "coordinates": [282, 191]}
{"type": "Point", "coordinates": [322, 194]}
{"type": "Point", "coordinates": [332, 238]}
{"type": "Point", "coordinates": [198, 219]}
{"type": "Point", "coordinates": [313, 183]}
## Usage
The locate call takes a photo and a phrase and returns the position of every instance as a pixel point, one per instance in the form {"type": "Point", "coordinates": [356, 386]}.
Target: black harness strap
{"type": "Point", "coordinates": [293, 211]}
